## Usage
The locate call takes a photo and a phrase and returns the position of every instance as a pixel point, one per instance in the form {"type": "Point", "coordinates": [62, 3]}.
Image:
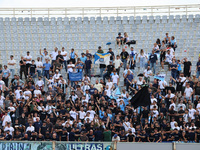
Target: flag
{"type": "Point", "coordinates": [75, 76]}
{"type": "Point", "coordinates": [141, 98]}
{"type": "Point", "coordinates": [117, 91]}
{"type": "Point", "coordinates": [160, 77]}
{"type": "Point", "coordinates": [103, 58]}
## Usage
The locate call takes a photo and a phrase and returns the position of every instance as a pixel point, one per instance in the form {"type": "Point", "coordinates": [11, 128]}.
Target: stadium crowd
{"type": "Point", "coordinates": [40, 103]}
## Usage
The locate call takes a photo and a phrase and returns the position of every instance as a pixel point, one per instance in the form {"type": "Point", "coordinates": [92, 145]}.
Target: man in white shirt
{"type": "Point", "coordinates": [118, 64]}
{"type": "Point", "coordinates": [192, 112]}
{"type": "Point", "coordinates": [2, 84]}
{"type": "Point", "coordinates": [11, 65]}
{"type": "Point", "coordinates": [28, 59]}
{"type": "Point", "coordinates": [115, 79]}
{"type": "Point", "coordinates": [39, 66]}
{"type": "Point", "coordinates": [37, 92]}
{"type": "Point", "coordinates": [6, 118]}
{"type": "Point", "coordinates": [64, 54]}
{"type": "Point", "coordinates": [30, 128]}
{"type": "Point", "coordinates": [82, 114]}
{"type": "Point", "coordinates": [92, 112]}
{"type": "Point", "coordinates": [73, 113]}
{"type": "Point", "coordinates": [10, 128]}
{"type": "Point", "coordinates": [53, 55]}
{"type": "Point", "coordinates": [168, 58]}
{"type": "Point", "coordinates": [126, 124]}
{"type": "Point", "coordinates": [188, 92]}
{"type": "Point", "coordinates": [70, 67]}
{"type": "Point", "coordinates": [147, 73]}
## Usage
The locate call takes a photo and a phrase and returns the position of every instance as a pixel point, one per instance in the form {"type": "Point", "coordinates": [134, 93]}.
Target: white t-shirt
{"type": "Point", "coordinates": [12, 62]}
{"type": "Point", "coordinates": [171, 95]}
{"type": "Point", "coordinates": [110, 84]}
{"type": "Point", "coordinates": [191, 113]}
{"type": "Point", "coordinates": [161, 84]}
{"type": "Point", "coordinates": [117, 63]}
{"type": "Point", "coordinates": [168, 58]}
{"type": "Point", "coordinates": [64, 53]}
{"type": "Point", "coordinates": [40, 83]}
{"type": "Point", "coordinates": [37, 92]}
{"type": "Point", "coordinates": [6, 119]}
{"type": "Point", "coordinates": [115, 78]}
{"type": "Point", "coordinates": [2, 83]}
{"type": "Point", "coordinates": [12, 109]}
{"type": "Point", "coordinates": [39, 64]}
{"type": "Point", "coordinates": [153, 99]}
{"type": "Point", "coordinates": [17, 92]}
{"type": "Point", "coordinates": [92, 113]}
{"type": "Point", "coordinates": [30, 128]}
{"type": "Point", "coordinates": [46, 57]}
{"type": "Point", "coordinates": [11, 129]}
{"type": "Point", "coordinates": [56, 76]}
{"type": "Point", "coordinates": [147, 73]}
{"type": "Point", "coordinates": [126, 126]}
{"type": "Point", "coordinates": [54, 54]}
{"type": "Point", "coordinates": [142, 56]}
{"type": "Point", "coordinates": [82, 114]}
{"type": "Point", "coordinates": [188, 91]}
{"type": "Point", "coordinates": [2, 101]}
{"type": "Point", "coordinates": [28, 57]}
{"type": "Point", "coordinates": [73, 114]}
{"type": "Point", "coordinates": [70, 69]}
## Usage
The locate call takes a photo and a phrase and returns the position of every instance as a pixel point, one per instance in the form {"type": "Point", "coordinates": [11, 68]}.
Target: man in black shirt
{"type": "Point", "coordinates": [153, 61]}
{"type": "Point", "coordinates": [109, 69]}
{"type": "Point", "coordinates": [60, 57]}
{"type": "Point", "coordinates": [112, 55]}
{"type": "Point", "coordinates": [124, 56]}
{"type": "Point", "coordinates": [187, 67]}
{"type": "Point", "coordinates": [22, 64]}
{"type": "Point", "coordinates": [32, 69]}
{"type": "Point", "coordinates": [88, 66]}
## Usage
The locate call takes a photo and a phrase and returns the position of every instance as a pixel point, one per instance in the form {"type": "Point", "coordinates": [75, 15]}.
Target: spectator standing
{"type": "Point", "coordinates": [39, 66]}
{"type": "Point", "coordinates": [198, 69]}
{"type": "Point", "coordinates": [53, 55]}
{"type": "Point", "coordinates": [187, 67]}
{"type": "Point", "coordinates": [11, 65]}
{"type": "Point", "coordinates": [73, 56]}
{"type": "Point", "coordinates": [64, 54]}
{"type": "Point", "coordinates": [118, 64]}
{"type": "Point", "coordinates": [173, 43]}
{"type": "Point", "coordinates": [5, 75]}
{"type": "Point", "coordinates": [88, 66]}
{"type": "Point", "coordinates": [153, 61]}
{"type": "Point", "coordinates": [28, 59]}
{"type": "Point", "coordinates": [142, 59]}
{"type": "Point", "coordinates": [22, 64]}
{"type": "Point", "coordinates": [124, 57]}
{"type": "Point", "coordinates": [173, 69]}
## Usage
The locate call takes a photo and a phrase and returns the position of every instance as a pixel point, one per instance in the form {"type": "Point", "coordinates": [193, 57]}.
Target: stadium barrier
{"type": "Point", "coordinates": [101, 11]}
{"type": "Point", "coordinates": [57, 145]}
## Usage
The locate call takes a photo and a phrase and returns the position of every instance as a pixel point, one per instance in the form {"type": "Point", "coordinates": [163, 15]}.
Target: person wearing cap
{"type": "Point", "coordinates": [119, 40]}
{"type": "Point", "coordinates": [28, 59]}
{"type": "Point", "coordinates": [73, 56]}
{"type": "Point", "coordinates": [5, 75]}
{"type": "Point", "coordinates": [11, 65]}
{"type": "Point", "coordinates": [153, 61]}
{"type": "Point", "coordinates": [53, 55]}
{"type": "Point", "coordinates": [64, 54]}
{"type": "Point", "coordinates": [115, 138]}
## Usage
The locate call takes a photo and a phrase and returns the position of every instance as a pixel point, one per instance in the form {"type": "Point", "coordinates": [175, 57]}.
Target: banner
{"type": "Point", "coordinates": [15, 146]}
{"type": "Point", "coordinates": [75, 76]}
{"type": "Point", "coordinates": [103, 58]}
{"type": "Point", "coordinates": [160, 77]}
{"type": "Point", "coordinates": [84, 146]}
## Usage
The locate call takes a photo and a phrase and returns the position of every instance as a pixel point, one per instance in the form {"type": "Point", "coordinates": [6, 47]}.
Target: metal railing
{"type": "Point", "coordinates": [102, 11]}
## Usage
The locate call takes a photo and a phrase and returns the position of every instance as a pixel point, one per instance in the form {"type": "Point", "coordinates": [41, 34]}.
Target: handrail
{"type": "Point", "coordinates": [101, 11]}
